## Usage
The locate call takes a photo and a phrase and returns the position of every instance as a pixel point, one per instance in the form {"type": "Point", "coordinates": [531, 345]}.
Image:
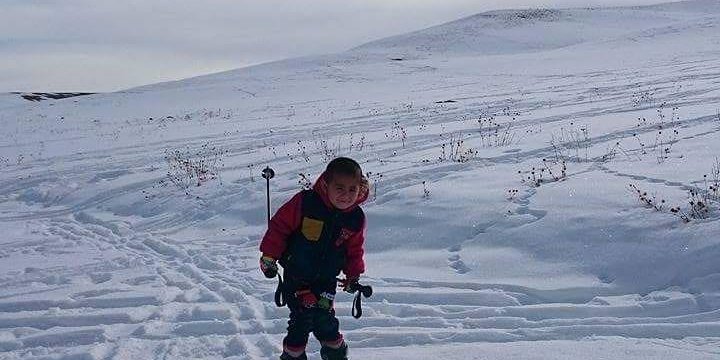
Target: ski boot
{"type": "Point", "coordinates": [328, 353]}
{"type": "Point", "coordinates": [286, 356]}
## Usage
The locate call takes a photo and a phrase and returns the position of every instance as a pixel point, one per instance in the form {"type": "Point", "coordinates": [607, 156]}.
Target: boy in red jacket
{"type": "Point", "coordinates": [314, 236]}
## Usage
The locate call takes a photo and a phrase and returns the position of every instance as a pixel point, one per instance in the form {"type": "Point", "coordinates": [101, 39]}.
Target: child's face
{"type": "Point", "coordinates": [343, 191]}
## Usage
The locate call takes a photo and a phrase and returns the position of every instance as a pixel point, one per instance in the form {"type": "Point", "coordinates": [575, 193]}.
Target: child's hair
{"type": "Point", "coordinates": [343, 166]}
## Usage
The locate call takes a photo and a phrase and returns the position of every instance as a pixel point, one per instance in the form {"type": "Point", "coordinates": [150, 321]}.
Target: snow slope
{"type": "Point", "coordinates": [104, 257]}
{"type": "Point", "coordinates": [11, 99]}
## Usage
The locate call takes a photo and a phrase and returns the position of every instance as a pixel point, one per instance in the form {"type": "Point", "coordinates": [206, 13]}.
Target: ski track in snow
{"type": "Point", "coordinates": [94, 271]}
{"type": "Point", "coordinates": [194, 294]}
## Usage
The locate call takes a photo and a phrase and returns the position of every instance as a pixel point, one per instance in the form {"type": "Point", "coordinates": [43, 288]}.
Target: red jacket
{"type": "Point", "coordinates": [288, 220]}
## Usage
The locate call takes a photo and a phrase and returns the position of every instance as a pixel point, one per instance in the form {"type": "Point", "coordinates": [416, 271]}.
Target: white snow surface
{"type": "Point", "coordinates": [103, 257]}
{"type": "Point", "coordinates": [10, 100]}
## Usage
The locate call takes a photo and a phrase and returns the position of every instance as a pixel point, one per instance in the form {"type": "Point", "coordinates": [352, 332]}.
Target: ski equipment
{"type": "Point", "coordinates": [280, 300]}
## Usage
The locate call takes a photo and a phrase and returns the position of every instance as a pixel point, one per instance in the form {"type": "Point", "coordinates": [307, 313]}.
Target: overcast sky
{"type": "Point", "coordinates": [103, 45]}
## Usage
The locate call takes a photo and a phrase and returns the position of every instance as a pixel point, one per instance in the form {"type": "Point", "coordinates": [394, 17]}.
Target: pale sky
{"type": "Point", "coordinates": [103, 45]}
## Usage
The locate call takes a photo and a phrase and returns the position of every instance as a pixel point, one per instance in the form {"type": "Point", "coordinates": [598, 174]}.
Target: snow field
{"type": "Point", "coordinates": [102, 258]}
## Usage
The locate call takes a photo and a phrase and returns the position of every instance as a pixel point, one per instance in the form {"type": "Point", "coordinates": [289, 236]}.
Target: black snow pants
{"type": "Point", "coordinates": [319, 320]}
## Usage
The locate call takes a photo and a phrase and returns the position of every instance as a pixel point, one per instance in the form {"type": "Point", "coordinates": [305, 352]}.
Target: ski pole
{"type": "Point", "coordinates": [358, 289]}
{"type": "Point", "coordinates": [366, 291]}
{"type": "Point", "coordinates": [268, 174]}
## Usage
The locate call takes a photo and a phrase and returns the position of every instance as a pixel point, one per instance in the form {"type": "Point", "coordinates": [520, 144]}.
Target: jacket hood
{"type": "Point", "coordinates": [322, 191]}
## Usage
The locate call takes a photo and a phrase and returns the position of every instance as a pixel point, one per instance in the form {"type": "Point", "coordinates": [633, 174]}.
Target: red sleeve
{"type": "Point", "coordinates": [354, 251]}
{"type": "Point", "coordinates": [286, 220]}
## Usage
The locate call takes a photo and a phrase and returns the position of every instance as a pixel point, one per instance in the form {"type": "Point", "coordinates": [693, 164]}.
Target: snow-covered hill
{"type": "Point", "coordinates": [532, 30]}
{"type": "Point", "coordinates": [11, 99]}
{"type": "Point", "coordinates": [533, 173]}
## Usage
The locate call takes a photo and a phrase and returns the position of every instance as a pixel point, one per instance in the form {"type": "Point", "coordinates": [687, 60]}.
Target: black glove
{"type": "Point", "coordinates": [268, 266]}
{"type": "Point", "coordinates": [350, 284]}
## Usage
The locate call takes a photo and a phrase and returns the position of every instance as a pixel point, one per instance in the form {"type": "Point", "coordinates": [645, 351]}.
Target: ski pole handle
{"type": "Point", "coordinates": [268, 174]}
{"type": "Point", "coordinates": [365, 290]}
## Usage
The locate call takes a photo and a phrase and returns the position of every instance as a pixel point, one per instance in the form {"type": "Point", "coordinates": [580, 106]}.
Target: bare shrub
{"type": "Point", "coordinates": [494, 134]}
{"type": "Point", "coordinates": [304, 181]}
{"type": "Point", "coordinates": [712, 184]}
{"type": "Point", "coordinates": [548, 172]}
{"type": "Point", "coordinates": [456, 150]}
{"type": "Point", "coordinates": [575, 140]}
{"type": "Point", "coordinates": [700, 202]}
{"type": "Point", "coordinates": [374, 178]}
{"type": "Point", "coordinates": [649, 200]}
{"type": "Point", "coordinates": [188, 167]}
{"type": "Point", "coordinates": [426, 191]}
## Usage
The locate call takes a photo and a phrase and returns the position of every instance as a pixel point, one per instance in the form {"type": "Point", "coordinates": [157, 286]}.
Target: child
{"type": "Point", "coordinates": [314, 236]}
